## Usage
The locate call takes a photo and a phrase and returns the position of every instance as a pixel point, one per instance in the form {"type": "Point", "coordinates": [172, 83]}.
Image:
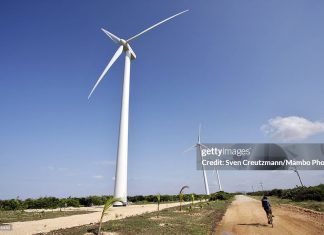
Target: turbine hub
{"type": "Point", "coordinates": [123, 42]}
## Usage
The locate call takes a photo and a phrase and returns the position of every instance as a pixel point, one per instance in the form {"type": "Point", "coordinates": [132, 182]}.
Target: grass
{"type": "Point", "coordinates": [200, 220]}
{"type": "Point", "coordinates": [309, 204]}
{"type": "Point", "coordinates": [15, 216]}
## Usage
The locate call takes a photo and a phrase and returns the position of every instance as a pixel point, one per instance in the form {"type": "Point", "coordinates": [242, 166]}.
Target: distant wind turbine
{"type": "Point", "coordinates": [121, 166]}
{"type": "Point", "coordinates": [300, 180]}
{"type": "Point", "coordinates": [295, 167]}
{"type": "Point", "coordinates": [199, 145]}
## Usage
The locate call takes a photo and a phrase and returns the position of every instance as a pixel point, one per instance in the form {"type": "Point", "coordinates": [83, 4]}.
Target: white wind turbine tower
{"type": "Point", "coordinates": [121, 166]}
{"type": "Point", "coordinates": [199, 145]}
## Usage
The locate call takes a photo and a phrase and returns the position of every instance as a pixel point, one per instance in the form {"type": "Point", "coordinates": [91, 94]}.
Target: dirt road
{"type": "Point", "coordinates": [245, 216]}
{"type": "Point", "coordinates": [46, 225]}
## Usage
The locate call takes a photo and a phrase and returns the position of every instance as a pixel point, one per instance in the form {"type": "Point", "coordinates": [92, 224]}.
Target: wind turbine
{"type": "Point", "coordinates": [199, 145]}
{"type": "Point", "coordinates": [295, 167]}
{"type": "Point", "coordinates": [121, 165]}
{"type": "Point", "coordinates": [218, 179]}
{"type": "Point", "coordinates": [301, 182]}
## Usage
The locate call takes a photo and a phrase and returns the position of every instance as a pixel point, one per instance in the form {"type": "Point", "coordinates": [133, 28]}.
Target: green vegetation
{"type": "Point", "coordinates": [298, 194]}
{"type": "Point", "coordinates": [107, 205]}
{"type": "Point", "coordinates": [192, 197]}
{"type": "Point", "coordinates": [313, 205]}
{"type": "Point", "coordinates": [40, 203]}
{"type": "Point", "coordinates": [140, 199]}
{"type": "Point", "coordinates": [14, 216]}
{"type": "Point", "coordinates": [181, 195]}
{"type": "Point", "coordinates": [221, 195]}
{"type": "Point", "coordinates": [158, 198]}
{"type": "Point", "coordinates": [53, 202]}
{"type": "Point", "coordinates": [308, 197]}
{"type": "Point", "coordinates": [199, 221]}
{"type": "Point", "coordinates": [309, 204]}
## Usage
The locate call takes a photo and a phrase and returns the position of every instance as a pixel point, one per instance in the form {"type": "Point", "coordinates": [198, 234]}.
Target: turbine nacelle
{"type": "Point", "coordinates": [123, 42]}
{"type": "Point", "coordinates": [127, 47]}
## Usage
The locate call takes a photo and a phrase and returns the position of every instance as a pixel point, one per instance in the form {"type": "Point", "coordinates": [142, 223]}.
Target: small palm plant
{"type": "Point", "coordinates": [181, 195]}
{"type": "Point", "coordinates": [200, 203]}
{"type": "Point", "coordinates": [107, 205]}
{"type": "Point", "coordinates": [192, 197]}
{"type": "Point", "coordinates": [158, 198]}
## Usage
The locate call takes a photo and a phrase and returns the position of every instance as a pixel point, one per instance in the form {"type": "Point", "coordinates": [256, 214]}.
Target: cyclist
{"type": "Point", "coordinates": [267, 207]}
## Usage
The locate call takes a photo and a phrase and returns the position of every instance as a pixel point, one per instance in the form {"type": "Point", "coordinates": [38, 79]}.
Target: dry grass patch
{"type": "Point", "coordinates": [196, 221]}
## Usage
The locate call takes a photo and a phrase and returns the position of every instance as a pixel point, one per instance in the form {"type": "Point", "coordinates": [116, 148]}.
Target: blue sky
{"type": "Point", "coordinates": [231, 65]}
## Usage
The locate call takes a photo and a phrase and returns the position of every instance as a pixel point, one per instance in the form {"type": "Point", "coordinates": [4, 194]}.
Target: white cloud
{"type": "Point", "coordinates": [97, 176]}
{"type": "Point", "coordinates": [291, 128]}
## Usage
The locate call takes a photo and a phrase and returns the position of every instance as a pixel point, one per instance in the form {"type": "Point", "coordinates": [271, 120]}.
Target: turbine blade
{"type": "Point", "coordinates": [153, 26]}
{"type": "Point", "coordinates": [132, 52]}
{"type": "Point", "coordinates": [192, 147]}
{"type": "Point", "coordinates": [111, 35]}
{"type": "Point", "coordinates": [113, 59]}
{"type": "Point", "coordinates": [203, 146]}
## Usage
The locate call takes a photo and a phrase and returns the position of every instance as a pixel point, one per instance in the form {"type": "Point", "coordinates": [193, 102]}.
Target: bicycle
{"type": "Point", "coordinates": [270, 218]}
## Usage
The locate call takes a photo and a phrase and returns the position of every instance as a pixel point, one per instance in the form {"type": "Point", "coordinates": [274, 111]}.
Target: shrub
{"type": "Point", "coordinates": [305, 193]}
{"type": "Point", "coordinates": [221, 195]}
{"type": "Point", "coordinates": [12, 204]}
{"type": "Point", "coordinates": [299, 193]}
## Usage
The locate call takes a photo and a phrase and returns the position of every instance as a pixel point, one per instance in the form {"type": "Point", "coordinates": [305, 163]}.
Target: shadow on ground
{"type": "Point", "coordinates": [255, 224]}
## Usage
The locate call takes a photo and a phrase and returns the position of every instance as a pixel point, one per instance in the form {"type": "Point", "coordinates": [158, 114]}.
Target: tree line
{"type": "Point", "coordinates": [299, 193]}
{"type": "Point", "coordinates": [54, 203]}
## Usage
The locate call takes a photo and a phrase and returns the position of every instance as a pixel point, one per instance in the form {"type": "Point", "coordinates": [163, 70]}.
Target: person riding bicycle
{"type": "Point", "coordinates": [267, 207]}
